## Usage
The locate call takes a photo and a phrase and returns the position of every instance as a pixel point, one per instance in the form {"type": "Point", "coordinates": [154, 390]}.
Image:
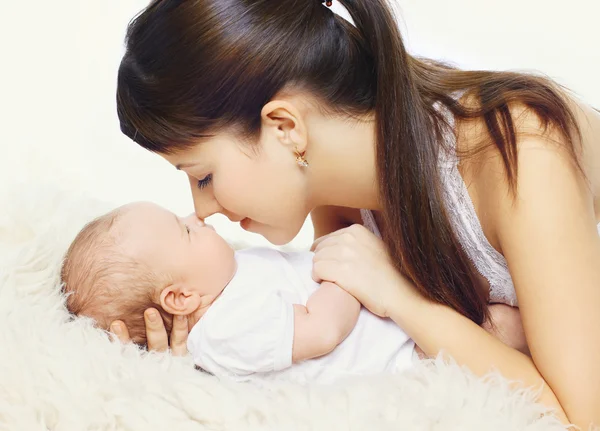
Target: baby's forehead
{"type": "Point", "coordinates": [140, 214]}
{"type": "Point", "coordinates": [144, 221]}
{"type": "Point", "coordinates": [141, 209]}
{"type": "Point", "coordinates": [138, 208]}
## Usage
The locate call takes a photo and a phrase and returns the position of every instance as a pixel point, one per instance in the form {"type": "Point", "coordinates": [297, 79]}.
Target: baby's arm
{"type": "Point", "coordinates": [328, 318]}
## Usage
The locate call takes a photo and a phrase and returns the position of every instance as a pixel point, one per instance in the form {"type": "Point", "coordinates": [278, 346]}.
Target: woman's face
{"type": "Point", "coordinates": [259, 185]}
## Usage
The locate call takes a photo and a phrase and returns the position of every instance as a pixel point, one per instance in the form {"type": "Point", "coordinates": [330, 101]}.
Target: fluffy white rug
{"type": "Point", "coordinates": [58, 374]}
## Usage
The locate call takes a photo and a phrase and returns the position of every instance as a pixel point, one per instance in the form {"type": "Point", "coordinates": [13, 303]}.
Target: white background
{"type": "Point", "coordinates": [59, 63]}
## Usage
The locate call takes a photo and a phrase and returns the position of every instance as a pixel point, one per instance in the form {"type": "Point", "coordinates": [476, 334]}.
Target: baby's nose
{"type": "Point", "coordinates": [193, 220]}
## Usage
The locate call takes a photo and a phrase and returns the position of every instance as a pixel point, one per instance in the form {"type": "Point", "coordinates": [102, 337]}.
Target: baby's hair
{"type": "Point", "coordinates": [103, 282]}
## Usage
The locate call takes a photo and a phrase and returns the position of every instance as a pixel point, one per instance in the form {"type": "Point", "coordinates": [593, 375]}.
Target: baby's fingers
{"type": "Point", "coordinates": [328, 270]}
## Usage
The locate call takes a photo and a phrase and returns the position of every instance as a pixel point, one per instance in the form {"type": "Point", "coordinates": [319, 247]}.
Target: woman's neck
{"type": "Point", "coordinates": [342, 157]}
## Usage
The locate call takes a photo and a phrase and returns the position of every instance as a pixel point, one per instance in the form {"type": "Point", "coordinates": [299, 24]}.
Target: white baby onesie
{"type": "Point", "coordinates": [248, 331]}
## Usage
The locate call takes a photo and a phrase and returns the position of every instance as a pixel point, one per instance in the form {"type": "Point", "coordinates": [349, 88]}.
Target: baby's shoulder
{"type": "Point", "coordinates": [254, 253]}
{"type": "Point", "coordinates": [260, 267]}
{"type": "Point", "coordinates": [258, 285]}
{"type": "Point", "coordinates": [266, 271]}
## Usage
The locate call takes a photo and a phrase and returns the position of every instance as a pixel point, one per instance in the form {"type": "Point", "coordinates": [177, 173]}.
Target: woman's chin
{"type": "Point", "coordinates": [276, 236]}
{"type": "Point", "coordinates": [278, 240]}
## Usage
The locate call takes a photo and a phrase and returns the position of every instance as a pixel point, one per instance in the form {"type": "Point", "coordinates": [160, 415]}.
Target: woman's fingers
{"type": "Point", "coordinates": [179, 335]}
{"type": "Point", "coordinates": [338, 253]}
{"type": "Point", "coordinates": [328, 237]}
{"type": "Point", "coordinates": [156, 333]}
{"type": "Point", "coordinates": [335, 240]}
{"type": "Point", "coordinates": [119, 330]}
{"type": "Point", "coordinates": [349, 236]}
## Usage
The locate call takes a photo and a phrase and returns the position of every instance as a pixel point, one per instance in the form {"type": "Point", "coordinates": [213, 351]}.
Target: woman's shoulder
{"type": "Point", "coordinates": [588, 120]}
{"type": "Point", "coordinates": [484, 171]}
{"type": "Point", "coordinates": [483, 167]}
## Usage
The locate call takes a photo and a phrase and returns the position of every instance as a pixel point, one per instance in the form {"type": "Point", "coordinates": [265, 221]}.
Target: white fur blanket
{"type": "Point", "coordinates": [57, 374]}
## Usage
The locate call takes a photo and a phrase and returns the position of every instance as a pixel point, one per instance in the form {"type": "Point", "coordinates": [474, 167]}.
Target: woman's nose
{"type": "Point", "coordinates": [205, 204]}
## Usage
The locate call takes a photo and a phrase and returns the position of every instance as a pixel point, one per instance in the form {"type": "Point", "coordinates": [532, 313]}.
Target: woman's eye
{"type": "Point", "coordinates": [205, 182]}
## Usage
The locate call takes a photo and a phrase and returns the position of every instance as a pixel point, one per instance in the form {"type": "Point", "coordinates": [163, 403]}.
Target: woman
{"type": "Point", "coordinates": [483, 185]}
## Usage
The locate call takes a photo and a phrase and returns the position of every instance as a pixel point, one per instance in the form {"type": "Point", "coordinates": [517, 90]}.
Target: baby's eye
{"type": "Point", "coordinates": [204, 182]}
{"type": "Point", "coordinates": [187, 228]}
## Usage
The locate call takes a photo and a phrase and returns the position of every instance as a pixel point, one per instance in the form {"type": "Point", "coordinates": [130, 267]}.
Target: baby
{"type": "Point", "coordinates": [251, 313]}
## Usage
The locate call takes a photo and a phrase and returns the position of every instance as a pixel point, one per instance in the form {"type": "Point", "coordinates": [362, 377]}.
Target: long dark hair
{"type": "Point", "coordinates": [194, 67]}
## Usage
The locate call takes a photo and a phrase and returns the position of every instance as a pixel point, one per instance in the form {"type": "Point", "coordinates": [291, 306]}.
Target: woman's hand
{"type": "Point", "coordinates": [156, 333]}
{"type": "Point", "coordinates": [357, 261]}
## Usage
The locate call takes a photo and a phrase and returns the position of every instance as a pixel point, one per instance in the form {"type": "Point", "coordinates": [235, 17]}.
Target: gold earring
{"type": "Point", "coordinates": [300, 160]}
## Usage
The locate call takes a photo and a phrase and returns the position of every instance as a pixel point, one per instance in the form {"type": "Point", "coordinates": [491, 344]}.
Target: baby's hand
{"type": "Point", "coordinates": [507, 327]}
{"type": "Point", "coordinates": [157, 334]}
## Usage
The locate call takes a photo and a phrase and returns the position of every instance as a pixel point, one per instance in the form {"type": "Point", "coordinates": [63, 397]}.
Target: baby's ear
{"type": "Point", "coordinates": [176, 299]}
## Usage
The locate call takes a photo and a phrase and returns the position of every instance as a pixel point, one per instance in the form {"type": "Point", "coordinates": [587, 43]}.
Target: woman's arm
{"type": "Point", "coordinates": [439, 329]}
{"type": "Point", "coordinates": [549, 237]}
{"type": "Point", "coordinates": [550, 240]}
{"type": "Point", "coordinates": [357, 261]}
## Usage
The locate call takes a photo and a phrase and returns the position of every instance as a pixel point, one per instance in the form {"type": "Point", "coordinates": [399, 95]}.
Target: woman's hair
{"type": "Point", "coordinates": [100, 281]}
{"type": "Point", "coordinates": [195, 67]}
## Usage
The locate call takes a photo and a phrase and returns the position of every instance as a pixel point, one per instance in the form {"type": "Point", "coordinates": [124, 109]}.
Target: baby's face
{"type": "Point", "coordinates": [190, 251]}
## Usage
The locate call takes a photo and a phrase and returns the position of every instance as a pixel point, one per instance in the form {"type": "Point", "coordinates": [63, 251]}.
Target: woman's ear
{"type": "Point", "coordinates": [177, 300]}
{"type": "Point", "coordinates": [286, 122]}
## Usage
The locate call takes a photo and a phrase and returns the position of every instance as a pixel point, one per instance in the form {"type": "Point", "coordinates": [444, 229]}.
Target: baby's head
{"type": "Point", "coordinates": [141, 256]}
